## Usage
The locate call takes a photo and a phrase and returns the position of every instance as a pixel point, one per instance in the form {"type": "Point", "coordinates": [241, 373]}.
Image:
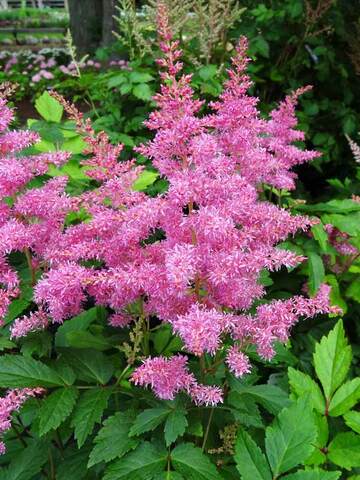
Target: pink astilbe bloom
{"type": "Point", "coordinates": [35, 321]}
{"type": "Point", "coordinates": [11, 403]}
{"type": "Point", "coordinates": [169, 376]}
{"type": "Point", "coordinates": [238, 362]}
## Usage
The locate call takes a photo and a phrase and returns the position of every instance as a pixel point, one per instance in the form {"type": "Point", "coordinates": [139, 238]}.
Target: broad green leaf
{"type": "Point", "coordinates": [142, 91]}
{"type": "Point", "coordinates": [81, 322]}
{"type": "Point", "coordinates": [74, 465]}
{"type": "Point", "coordinates": [15, 309]}
{"type": "Point", "coordinates": [349, 223]}
{"type": "Point", "coordinates": [289, 441]}
{"type": "Point", "coordinates": [345, 398]}
{"type": "Point", "coordinates": [175, 426]}
{"type": "Point", "coordinates": [145, 179]}
{"type": "Point", "coordinates": [192, 464]}
{"type": "Point", "coordinates": [333, 206]}
{"type": "Point", "coordinates": [140, 77]}
{"type": "Point", "coordinates": [89, 411]}
{"type": "Point", "coordinates": [332, 359]}
{"type": "Point", "coordinates": [6, 344]}
{"type": "Point", "coordinates": [56, 408]}
{"type": "Point", "coordinates": [74, 145]}
{"type": "Point", "coordinates": [49, 108]}
{"type": "Point", "coordinates": [144, 463]}
{"type": "Point", "coordinates": [318, 457]}
{"type": "Point", "coordinates": [353, 291]}
{"type": "Point", "coordinates": [90, 365]}
{"type": "Point", "coordinates": [250, 460]}
{"type": "Point", "coordinates": [344, 450]}
{"type": "Point", "coordinates": [312, 475]}
{"type": "Point", "coordinates": [113, 440]}
{"type": "Point", "coordinates": [316, 271]}
{"type": "Point", "coordinates": [84, 339]}
{"type": "Point", "coordinates": [245, 410]}
{"type": "Point", "coordinates": [148, 420]}
{"type": "Point", "coordinates": [28, 462]}
{"type": "Point", "coordinates": [168, 476]}
{"type": "Point", "coordinates": [302, 384]}
{"type": "Point", "coordinates": [352, 420]}
{"type": "Point", "coordinates": [18, 371]}
{"type": "Point", "coordinates": [207, 71]}
{"type": "Point", "coordinates": [320, 236]}
{"type": "Point", "coordinates": [269, 396]}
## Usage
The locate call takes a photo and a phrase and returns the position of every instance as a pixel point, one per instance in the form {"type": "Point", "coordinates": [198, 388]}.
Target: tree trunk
{"type": "Point", "coordinates": [85, 24]}
{"type": "Point", "coordinates": [108, 24]}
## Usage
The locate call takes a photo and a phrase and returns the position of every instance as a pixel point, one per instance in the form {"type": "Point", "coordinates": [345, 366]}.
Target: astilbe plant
{"type": "Point", "coordinates": [192, 256]}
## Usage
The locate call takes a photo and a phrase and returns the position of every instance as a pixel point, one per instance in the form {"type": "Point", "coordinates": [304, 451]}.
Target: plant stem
{"type": "Point", "coordinates": [30, 265]}
{"type": "Point", "coordinates": [207, 428]}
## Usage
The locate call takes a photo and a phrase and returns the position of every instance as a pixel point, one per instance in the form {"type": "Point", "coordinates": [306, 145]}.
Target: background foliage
{"type": "Point", "coordinates": [93, 423]}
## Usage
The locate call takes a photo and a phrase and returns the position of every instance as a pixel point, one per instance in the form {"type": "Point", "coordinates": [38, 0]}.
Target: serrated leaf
{"type": "Point", "coordinates": [352, 420]}
{"type": "Point", "coordinates": [302, 384]}
{"type": "Point", "coordinates": [192, 464]}
{"type": "Point", "coordinates": [345, 398]}
{"type": "Point", "coordinates": [91, 365]}
{"type": "Point", "coordinates": [145, 179]}
{"type": "Point", "coordinates": [245, 410]}
{"type": "Point", "coordinates": [49, 108]}
{"type": "Point", "coordinates": [316, 271]}
{"type": "Point", "coordinates": [142, 91]}
{"type": "Point", "coordinates": [344, 450]}
{"type": "Point", "coordinates": [140, 77]}
{"type": "Point", "coordinates": [272, 398]}
{"type": "Point", "coordinates": [313, 475]}
{"type": "Point", "coordinates": [56, 408]}
{"type": "Point", "coordinates": [80, 322]}
{"type": "Point", "coordinates": [28, 462]}
{"type": "Point", "coordinates": [175, 426]}
{"type": "Point", "coordinates": [332, 359]}
{"type": "Point", "coordinates": [250, 460]}
{"type": "Point", "coordinates": [144, 463]}
{"type": "Point", "coordinates": [74, 465]}
{"type": "Point", "coordinates": [289, 442]}
{"type": "Point", "coordinates": [148, 420]}
{"type": "Point", "coordinates": [320, 236]}
{"type": "Point", "coordinates": [84, 339]}
{"type": "Point", "coordinates": [113, 440]}
{"type": "Point", "coordinates": [318, 457]}
{"type": "Point", "coordinates": [89, 411]}
{"type": "Point", "coordinates": [18, 371]}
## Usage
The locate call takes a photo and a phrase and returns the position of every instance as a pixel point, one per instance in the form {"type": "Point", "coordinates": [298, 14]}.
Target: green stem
{"type": "Point", "coordinates": [207, 428]}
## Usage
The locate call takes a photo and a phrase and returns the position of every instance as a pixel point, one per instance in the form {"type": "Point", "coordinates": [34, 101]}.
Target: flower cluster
{"type": "Point", "coordinates": [12, 403]}
{"type": "Point", "coordinates": [214, 234]}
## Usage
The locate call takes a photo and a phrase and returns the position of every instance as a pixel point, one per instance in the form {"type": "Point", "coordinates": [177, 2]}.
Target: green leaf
{"type": "Point", "coordinates": [302, 384]}
{"type": "Point", "coordinates": [113, 440]}
{"type": "Point", "coordinates": [345, 398]}
{"type": "Point", "coordinates": [145, 179]}
{"type": "Point", "coordinates": [344, 450]}
{"type": "Point", "coordinates": [81, 322]}
{"type": "Point", "coordinates": [245, 410]}
{"type": "Point", "coordinates": [49, 108]}
{"type": "Point", "coordinates": [90, 365]}
{"type": "Point", "coordinates": [316, 271]}
{"type": "Point", "coordinates": [289, 442]}
{"type": "Point", "coordinates": [74, 465]}
{"type": "Point", "coordinates": [333, 206]}
{"type": "Point", "coordinates": [332, 359]}
{"type": "Point", "coordinates": [142, 91]}
{"type": "Point", "coordinates": [74, 145]}
{"type": "Point", "coordinates": [320, 236]}
{"type": "Point", "coordinates": [140, 77]}
{"type": "Point", "coordinates": [168, 476]}
{"type": "Point", "coordinates": [250, 460]}
{"type": "Point", "coordinates": [28, 463]}
{"type": "Point", "coordinates": [84, 339]}
{"type": "Point", "coordinates": [18, 371]}
{"type": "Point", "coordinates": [175, 426]}
{"type": "Point", "coordinates": [144, 463]}
{"type": "Point", "coordinates": [318, 456]}
{"type": "Point", "coordinates": [149, 420]}
{"type": "Point", "coordinates": [15, 309]}
{"type": "Point", "coordinates": [89, 411]}
{"type": "Point", "coordinates": [269, 396]}
{"type": "Point", "coordinates": [352, 420]}
{"type": "Point", "coordinates": [190, 462]}
{"type": "Point", "coordinates": [313, 475]}
{"type": "Point", "coordinates": [56, 408]}
{"type": "Point", "coordinates": [207, 72]}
